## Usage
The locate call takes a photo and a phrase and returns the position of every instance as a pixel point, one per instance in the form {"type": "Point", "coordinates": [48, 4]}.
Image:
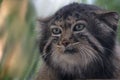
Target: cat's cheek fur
{"type": "Point", "coordinates": [74, 63]}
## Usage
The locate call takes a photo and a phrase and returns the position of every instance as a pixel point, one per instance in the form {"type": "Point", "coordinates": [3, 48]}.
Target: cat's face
{"type": "Point", "coordinates": [73, 41]}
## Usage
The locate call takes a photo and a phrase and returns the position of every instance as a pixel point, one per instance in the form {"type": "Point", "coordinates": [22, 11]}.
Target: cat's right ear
{"type": "Point", "coordinates": [44, 21]}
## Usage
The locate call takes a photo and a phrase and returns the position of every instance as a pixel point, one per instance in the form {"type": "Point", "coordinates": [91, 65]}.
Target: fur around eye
{"type": "Point", "coordinates": [56, 31]}
{"type": "Point", "coordinates": [78, 27]}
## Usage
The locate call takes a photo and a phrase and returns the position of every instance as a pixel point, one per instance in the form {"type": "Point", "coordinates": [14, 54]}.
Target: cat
{"type": "Point", "coordinates": [79, 42]}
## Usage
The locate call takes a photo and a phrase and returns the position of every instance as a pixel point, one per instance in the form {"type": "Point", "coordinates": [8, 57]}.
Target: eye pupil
{"type": "Point", "coordinates": [56, 31]}
{"type": "Point", "coordinates": [78, 27]}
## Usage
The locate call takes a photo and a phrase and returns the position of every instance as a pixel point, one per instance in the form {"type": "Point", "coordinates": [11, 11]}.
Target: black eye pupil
{"type": "Point", "coordinates": [56, 31]}
{"type": "Point", "coordinates": [78, 27]}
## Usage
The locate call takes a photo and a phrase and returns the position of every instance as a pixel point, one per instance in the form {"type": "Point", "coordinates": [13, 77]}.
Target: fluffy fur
{"type": "Point", "coordinates": [91, 53]}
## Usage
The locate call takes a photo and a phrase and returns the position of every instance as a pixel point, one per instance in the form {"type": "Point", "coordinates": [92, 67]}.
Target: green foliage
{"type": "Point", "coordinates": [83, 1]}
{"type": "Point", "coordinates": [1, 1]}
{"type": "Point", "coordinates": [20, 31]}
{"type": "Point", "coordinates": [109, 4]}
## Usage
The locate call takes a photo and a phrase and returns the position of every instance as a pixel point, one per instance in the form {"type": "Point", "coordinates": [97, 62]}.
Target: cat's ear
{"type": "Point", "coordinates": [44, 21]}
{"type": "Point", "coordinates": [42, 28]}
{"type": "Point", "coordinates": [110, 18]}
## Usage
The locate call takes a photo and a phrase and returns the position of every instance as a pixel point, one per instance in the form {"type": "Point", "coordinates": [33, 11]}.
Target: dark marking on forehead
{"type": "Point", "coordinates": [66, 20]}
{"type": "Point", "coordinates": [70, 19]}
{"type": "Point", "coordinates": [59, 22]}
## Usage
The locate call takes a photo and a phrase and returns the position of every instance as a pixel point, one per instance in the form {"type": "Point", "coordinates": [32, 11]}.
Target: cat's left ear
{"type": "Point", "coordinates": [110, 18]}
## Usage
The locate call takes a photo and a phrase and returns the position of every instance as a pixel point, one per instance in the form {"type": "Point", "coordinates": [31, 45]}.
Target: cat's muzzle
{"type": "Point", "coordinates": [70, 49]}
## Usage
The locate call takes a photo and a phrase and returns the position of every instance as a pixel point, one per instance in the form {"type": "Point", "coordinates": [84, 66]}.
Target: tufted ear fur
{"type": "Point", "coordinates": [110, 18]}
{"type": "Point", "coordinates": [42, 28]}
{"type": "Point", "coordinates": [44, 20]}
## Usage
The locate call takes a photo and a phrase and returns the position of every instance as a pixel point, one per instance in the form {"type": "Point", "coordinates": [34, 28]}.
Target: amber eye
{"type": "Point", "coordinates": [78, 27]}
{"type": "Point", "coordinates": [56, 31]}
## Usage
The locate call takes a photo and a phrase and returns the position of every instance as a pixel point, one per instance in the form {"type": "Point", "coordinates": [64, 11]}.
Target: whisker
{"type": "Point", "coordinates": [93, 56]}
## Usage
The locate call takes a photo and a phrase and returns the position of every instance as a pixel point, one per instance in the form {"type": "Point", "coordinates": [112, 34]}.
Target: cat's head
{"type": "Point", "coordinates": [77, 36]}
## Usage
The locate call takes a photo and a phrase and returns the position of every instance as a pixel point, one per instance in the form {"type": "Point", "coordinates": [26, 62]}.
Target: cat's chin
{"type": "Point", "coordinates": [67, 62]}
{"type": "Point", "coordinates": [70, 63]}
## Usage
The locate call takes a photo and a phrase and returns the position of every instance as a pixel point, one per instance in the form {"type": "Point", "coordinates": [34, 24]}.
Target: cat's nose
{"type": "Point", "coordinates": [65, 42]}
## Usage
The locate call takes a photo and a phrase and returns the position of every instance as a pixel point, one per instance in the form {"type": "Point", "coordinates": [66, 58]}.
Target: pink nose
{"type": "Point", "coordinates": [65, 42]}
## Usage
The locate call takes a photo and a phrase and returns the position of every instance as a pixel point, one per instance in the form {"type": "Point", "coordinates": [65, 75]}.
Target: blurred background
{"type": "Point", "coordinates": [19, 55]}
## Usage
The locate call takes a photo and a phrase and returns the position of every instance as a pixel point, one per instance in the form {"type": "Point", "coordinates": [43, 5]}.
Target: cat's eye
{"type": "Point", "coordinates": [56, 31]}
{"type": "Point", "coordinates": [78, 27]}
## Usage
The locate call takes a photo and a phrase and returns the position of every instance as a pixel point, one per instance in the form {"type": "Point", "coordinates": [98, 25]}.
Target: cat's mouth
{"type": "Point", "coordinates": [70, 49]}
